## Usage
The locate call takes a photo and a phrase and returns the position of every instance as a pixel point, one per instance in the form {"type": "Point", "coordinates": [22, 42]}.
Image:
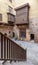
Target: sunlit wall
{"type": "Point", "coordinates": [4, 8]}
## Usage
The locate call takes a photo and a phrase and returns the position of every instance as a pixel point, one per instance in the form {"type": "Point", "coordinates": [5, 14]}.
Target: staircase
{"type": "Point", "coordinates": [10, 52]}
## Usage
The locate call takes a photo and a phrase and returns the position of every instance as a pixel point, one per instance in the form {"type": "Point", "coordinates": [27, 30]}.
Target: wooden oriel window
{"type": "Point", "coordinates": [0, 17]}
{"type": "Point", "coordinates": [11, 18]}
{"type": "Point", "coordinates": [10, 1]}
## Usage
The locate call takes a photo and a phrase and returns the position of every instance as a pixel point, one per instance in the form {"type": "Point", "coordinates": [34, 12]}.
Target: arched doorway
{"type": "Point", "coordinates": [32, 36]}
{"type": "Point", "coordinates": [13, 34]}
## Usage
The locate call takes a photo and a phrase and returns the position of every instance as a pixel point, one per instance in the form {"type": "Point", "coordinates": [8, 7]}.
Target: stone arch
{"type": "Point", "coordinates": [13, 34]}
{"type": "Point", "coordinates": [16, 31]}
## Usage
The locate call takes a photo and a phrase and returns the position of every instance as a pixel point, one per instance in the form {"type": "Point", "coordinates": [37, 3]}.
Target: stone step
{"type": "Point", "coordinates": [7, 63]}
{"type": "Point", "coordinates": [1, 62]}
{"type": "Point", "coordinates": [18, 63]}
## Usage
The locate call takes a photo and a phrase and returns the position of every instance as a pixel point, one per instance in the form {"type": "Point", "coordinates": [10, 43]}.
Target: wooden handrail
{"type": "Point", "coordinates": [10, 50]}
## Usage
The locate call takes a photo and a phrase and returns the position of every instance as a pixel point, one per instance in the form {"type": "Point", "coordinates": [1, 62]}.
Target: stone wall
{"type": "Point", "coordinates": [6, 29]}
{"type": "Point", "coordinates": [36, 38]}
{"type": "Point", "coordinates": [16, 30]}
{"type": "Point", "coordinates": [27, 34]}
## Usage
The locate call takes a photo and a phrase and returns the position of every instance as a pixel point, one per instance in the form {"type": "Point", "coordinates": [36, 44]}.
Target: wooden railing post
{"type": "Point", "coordinates": [10, 50]}
{"type": "Point", "coordinates": [5, 47]}
{"type": "Point", "coordinates": [1, 46]}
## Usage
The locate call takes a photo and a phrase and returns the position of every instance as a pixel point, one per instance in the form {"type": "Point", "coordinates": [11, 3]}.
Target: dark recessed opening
{"type": "Point", "coordinates": [32, 36]}
{"type": "Point", "coordinates": [13, 34]}
{"type": "Point", "coordinates": [23, 33]}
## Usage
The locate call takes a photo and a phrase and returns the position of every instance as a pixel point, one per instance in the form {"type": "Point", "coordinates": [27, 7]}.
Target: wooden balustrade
{"type": "Point", "coordinates": [10, 50]}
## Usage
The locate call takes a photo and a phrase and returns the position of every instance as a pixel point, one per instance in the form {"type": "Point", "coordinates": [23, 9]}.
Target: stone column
{"type": "Point", "coordinates": [27, 35]}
